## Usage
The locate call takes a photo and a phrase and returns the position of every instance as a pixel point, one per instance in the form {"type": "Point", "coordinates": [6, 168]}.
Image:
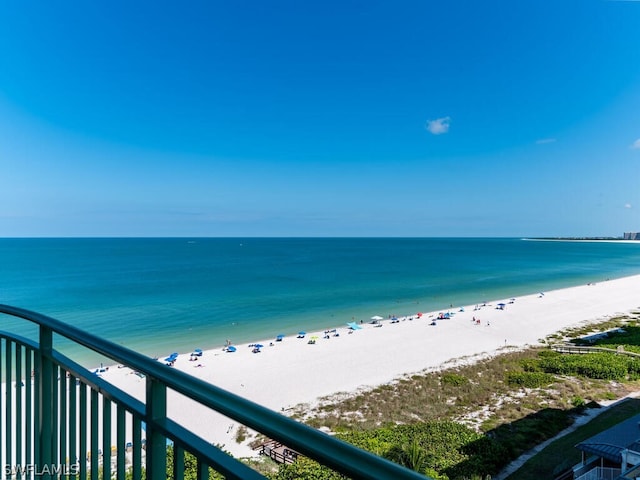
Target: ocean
{"type": "Point", "coordinates": [160, 295]}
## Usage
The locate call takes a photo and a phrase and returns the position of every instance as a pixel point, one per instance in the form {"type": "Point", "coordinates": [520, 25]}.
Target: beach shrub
{"type": "Point", "coordinates": [548, 353]}
{"type": "Point", "coordinates": [305, 469]}
{"type": "Point", "coordinates": [454, 379]}
{"type": "Point", "coordinates": [558, 365]}
{"type": "Point", "coordinates": [633, 368]}
{"type": "Point", "coordinates": [529, 379]}
{"type": "Point", "coordinates": [530, 364]}
{"type": "Point", "coordinates": [410, 455]}
{"type": "Point", "coordinates": [578, 402]}
{"type": "Point", "coordinates": [449, 448]}
{"type": "Point", "coordinates": [604, 366]}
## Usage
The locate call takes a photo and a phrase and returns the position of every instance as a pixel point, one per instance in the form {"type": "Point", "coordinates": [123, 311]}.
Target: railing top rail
{"type": "Point", "coordinates": [308, 441]}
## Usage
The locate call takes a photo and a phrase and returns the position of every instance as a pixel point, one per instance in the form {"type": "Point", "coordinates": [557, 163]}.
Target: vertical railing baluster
{"type": "Point", "coordinates": [73, 433]}
{"type": "Point", "coordinates": [55, 419]}
{"type": "Point", "coordinates": [203, 470]}
{"type": "Point", "coordinates": [178, 462]}
{"type": "Point", "coordinates": [45, 402]}
{"type": "Point", "coordinates": [63, 419]}
{"type": "Point", "coordinates": [28, 404]}
{"type": "Point", "coordinates": [8, 403]}
{"type": "Point", "coordinates": [156, 405]}
{"type": "Point", "coordinates": [82, 411]}
{"type": "Point", "coordinates": [137, 448]}
{"type": "Point", "coordinates": [121, 431]}
{"type": "Point", "coordinates": [18, 416]}
{"type": "Point", "coordinates": [95, 469]}
{"type": "Point", "coordinates": [3, 417]}
{"type": "Point", "coordinates": [37, 374]}
{"type": "Point", "coordinates": [106, 438]}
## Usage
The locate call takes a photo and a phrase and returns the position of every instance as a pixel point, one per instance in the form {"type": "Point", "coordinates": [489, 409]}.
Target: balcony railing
{"type": "Point", "coordinates": [601, 473]}
{"type": "Point", "coordinates": [59, 420]}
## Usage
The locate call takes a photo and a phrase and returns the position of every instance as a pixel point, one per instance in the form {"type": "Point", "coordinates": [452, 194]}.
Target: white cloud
{"type": "Point", "coordinates": [627, 205]}
{"type": "Point", "coordinates": [439, 125]}
{"type": "Point", "coordinates": [545, 140]}
{"type": "Point", "coordinates": [636, 145]}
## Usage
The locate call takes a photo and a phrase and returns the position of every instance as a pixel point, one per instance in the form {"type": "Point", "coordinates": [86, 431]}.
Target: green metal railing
{"type": "Point", "coordinates": [58, 418]}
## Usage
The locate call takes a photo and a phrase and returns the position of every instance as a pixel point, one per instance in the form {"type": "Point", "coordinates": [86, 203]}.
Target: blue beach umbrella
{"type": "Point", "coordinates": [258, 345]}
{"type": "Point", "coordinates": [231, 348]}
{"type": "Point", "coordinates": [279, 337]}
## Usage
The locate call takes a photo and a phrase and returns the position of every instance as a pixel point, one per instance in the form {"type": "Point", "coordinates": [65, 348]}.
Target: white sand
{"type": "Point", "coordinates": [293, 372]}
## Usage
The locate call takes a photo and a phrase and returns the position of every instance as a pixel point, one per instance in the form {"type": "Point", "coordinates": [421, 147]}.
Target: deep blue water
{"type": "Point", "coordinates": [156, 295]}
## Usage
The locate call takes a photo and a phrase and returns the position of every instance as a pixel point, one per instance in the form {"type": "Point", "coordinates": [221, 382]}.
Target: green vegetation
{"type": "Point", "coordinates": [438, 449]}
{"type": "Point", "coordinates": [606, 366]}
{"type": "Point", "coordinates": [529, 379]}
{"type": "Point", "coordinates": [190, 466]}
{"type": "Point", "coordinates": [470, 421]}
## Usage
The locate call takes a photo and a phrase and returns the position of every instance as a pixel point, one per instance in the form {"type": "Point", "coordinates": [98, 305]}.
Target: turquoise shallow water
{"type": "Point", "coordinates": [176, 294]}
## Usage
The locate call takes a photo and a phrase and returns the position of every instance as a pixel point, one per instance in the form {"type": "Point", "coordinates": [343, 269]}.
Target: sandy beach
{"type": "Point", "coordinates": [293, 371]}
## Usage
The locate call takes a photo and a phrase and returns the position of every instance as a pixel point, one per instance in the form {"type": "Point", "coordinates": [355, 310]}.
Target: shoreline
{"type": "Point", "coordinates": [293, 372]}
{"type": "Point", "coordinates": [248, 332]}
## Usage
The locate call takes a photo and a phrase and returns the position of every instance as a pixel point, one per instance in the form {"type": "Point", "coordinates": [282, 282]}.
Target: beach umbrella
{"type": "Point", "coordinates": [377, 317]}
{"type": "Point", "coordinates": [231, 348]}
{"type": "Point", "coordinates": [258, 345]}
{"type": "Point", "coordinates": [279, 337]}
{"type": "Point", "coordinates": [198, 351]}
{"type": "Point", "coordinates": [302, 333]}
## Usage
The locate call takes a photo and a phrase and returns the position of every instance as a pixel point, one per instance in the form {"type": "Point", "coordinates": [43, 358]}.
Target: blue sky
{"type": "Point", "coordinates": [290, 118]}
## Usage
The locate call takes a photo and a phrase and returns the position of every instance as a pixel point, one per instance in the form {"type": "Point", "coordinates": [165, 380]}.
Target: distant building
{"type": "Point", "coordinates": [632, 236]}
